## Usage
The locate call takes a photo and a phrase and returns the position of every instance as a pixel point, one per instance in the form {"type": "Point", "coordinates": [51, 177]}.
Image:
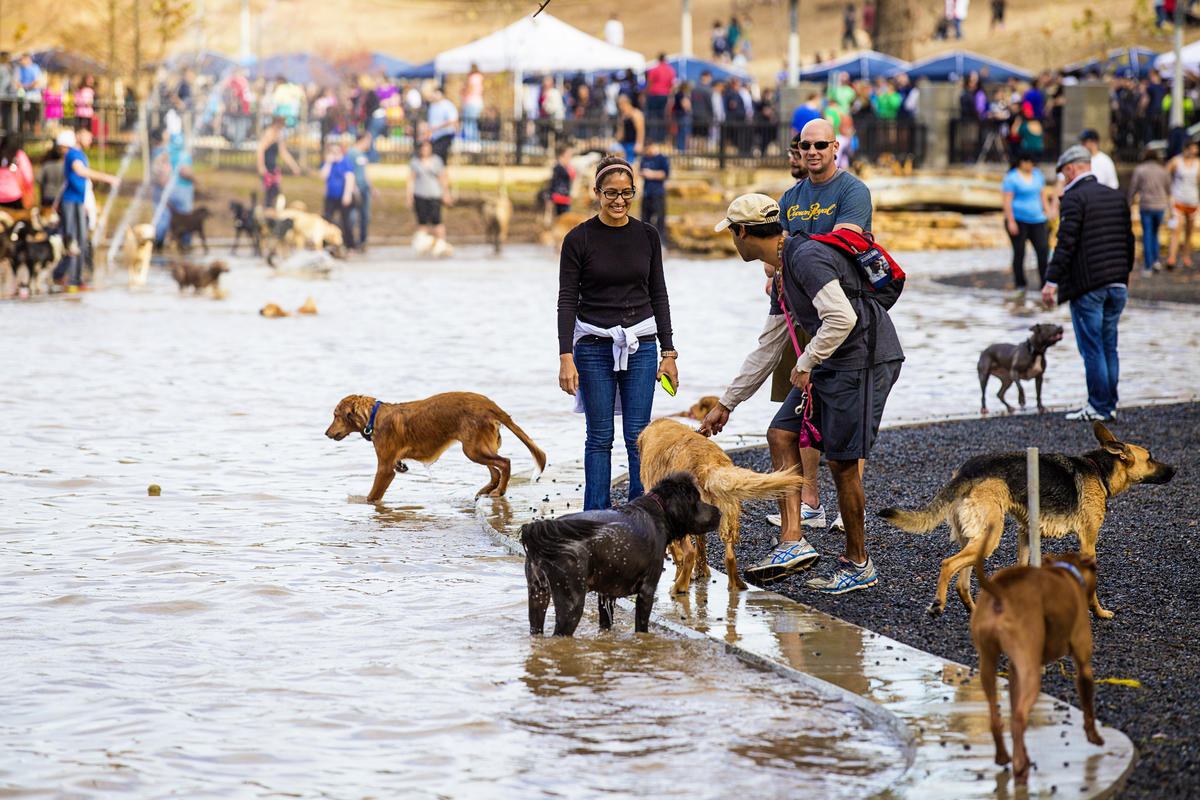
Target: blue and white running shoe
{"type": "Point", "coordinates": [786, 558]}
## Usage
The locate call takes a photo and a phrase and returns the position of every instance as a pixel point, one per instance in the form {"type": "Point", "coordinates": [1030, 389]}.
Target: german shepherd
{"type": "Point", "coordinates": [1074, 491]}
{"type": "Point", "coordinates": [666, 446]}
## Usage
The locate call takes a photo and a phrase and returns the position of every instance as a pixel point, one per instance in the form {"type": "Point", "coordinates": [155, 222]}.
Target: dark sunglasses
{"type": "Point", "coordinates": [818, 145]}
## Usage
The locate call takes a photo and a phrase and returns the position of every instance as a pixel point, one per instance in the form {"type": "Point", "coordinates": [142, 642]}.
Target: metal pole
{"type": "Point", "coordinates": [793, 53]}
{"type": "Point", "coordinates": [1033, 484]}
{"type": "Point", "coordinates": [1177, 74]}
{"type": "Point", "coordinates": [244, 21]}
{"type": "Point", "coordinates": [685, 35]}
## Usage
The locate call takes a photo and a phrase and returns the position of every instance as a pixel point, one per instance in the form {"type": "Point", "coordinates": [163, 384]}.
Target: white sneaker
{"type": "Point", "coordinates": [1087, 413]}
{"type": "Point", "coordinates": [838, 525]}
{"type": "Point", "coordinates": [809, 517]}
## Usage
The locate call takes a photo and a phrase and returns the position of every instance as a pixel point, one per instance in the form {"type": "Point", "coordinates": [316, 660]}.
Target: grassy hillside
{"type": "Point", "coordinates": [1040, 34]}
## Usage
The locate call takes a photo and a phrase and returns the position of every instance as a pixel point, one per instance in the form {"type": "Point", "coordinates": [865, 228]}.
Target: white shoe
{"type": "Point", "coordinates": [1087, 413]}
{"type": "Point", "coordinates": [809, 517]}
{"type": "Point", "coordinates": [838, 525]}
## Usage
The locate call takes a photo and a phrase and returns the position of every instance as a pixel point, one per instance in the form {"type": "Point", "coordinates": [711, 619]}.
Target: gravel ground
{"type": "Point", "coordinates": [1147, 556]}
{"type": "Point", "coordinates": [1173, 286]}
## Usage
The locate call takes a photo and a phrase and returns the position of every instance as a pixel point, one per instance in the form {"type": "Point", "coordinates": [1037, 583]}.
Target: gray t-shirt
{"type": "Point", "coordinates": [426, 178]}
{"type": "Point", "coordinates": [807, 267]}
{"type": "Point", "coordinates": [817, 207]}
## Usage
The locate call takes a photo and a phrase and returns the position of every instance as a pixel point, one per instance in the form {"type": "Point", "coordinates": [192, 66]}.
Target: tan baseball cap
{"type": "Point", "coordinates": [750, 209]}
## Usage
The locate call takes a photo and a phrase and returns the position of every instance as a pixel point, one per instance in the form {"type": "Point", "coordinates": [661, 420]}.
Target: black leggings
{"type": "Point", "coordinates": [1036, 233]}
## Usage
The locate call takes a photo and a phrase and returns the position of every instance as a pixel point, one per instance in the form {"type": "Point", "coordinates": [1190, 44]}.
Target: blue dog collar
{"type": "Point", "coordinates": [1071, 569]}
{"type": "Point", "coordinates": [370, 429]}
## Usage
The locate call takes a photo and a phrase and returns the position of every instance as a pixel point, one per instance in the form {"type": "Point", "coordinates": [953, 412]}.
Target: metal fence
{"type": "Point", "coordinates": [717, 146]}
{"type": "Point", "coordinates": [979, 141]}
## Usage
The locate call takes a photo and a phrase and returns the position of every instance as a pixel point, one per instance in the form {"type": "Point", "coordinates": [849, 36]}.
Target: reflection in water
{"type": "Point", "coordinates": [258, 625]}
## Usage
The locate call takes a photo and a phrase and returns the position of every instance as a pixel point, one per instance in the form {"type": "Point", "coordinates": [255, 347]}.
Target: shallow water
{"type": "Point", "coordinates": [259, 629]}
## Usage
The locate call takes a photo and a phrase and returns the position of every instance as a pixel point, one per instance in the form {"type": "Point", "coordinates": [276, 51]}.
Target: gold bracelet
{"type": "Point", "coordinates": [670, 354]}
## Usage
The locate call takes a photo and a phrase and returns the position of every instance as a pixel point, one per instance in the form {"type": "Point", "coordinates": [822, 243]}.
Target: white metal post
{"type": "Point", "coordinates": [793, 51]}
{"type": "Point", "coordinates": [685, 34]}
{"type": "Point", "coordinates": [1033, 485]}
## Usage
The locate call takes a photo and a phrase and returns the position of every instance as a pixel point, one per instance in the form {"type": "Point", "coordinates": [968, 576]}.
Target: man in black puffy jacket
{"type": "Point", "coordinates": [1090, 269]}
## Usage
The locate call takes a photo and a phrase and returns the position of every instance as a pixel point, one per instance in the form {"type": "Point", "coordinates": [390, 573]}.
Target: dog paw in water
{"type": "Point", "coordinates": [401, 466]}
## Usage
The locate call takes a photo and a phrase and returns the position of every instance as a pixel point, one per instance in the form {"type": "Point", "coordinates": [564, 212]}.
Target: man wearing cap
{"type": "Point", "coordinates": [850, 383]}
{"type": "Point", "coordinates": [1090, 270]}
{"type": "Point", "coordinates": [76, 174]}
{"type": "Point", "coordinates": [827, 199]}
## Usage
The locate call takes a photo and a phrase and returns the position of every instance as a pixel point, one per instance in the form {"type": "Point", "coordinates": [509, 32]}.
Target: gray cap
{"type": "Point", "coordinates": [1073, 155]}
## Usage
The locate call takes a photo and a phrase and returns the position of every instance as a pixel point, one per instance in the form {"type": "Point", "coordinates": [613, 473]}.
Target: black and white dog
{"type": "Point", "coordinates": [614, 553]}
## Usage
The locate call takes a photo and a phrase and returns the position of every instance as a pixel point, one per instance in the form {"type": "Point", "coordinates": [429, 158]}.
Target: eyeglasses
{"type": "Point", "coordinates": [818, 145]}
{"type": "Point", "coordinates": [793, 152]}
{"type": "Point", "coordinates": [613, 194]}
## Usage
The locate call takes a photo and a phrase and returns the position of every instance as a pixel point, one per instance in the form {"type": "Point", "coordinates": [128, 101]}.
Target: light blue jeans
{"type": "Point", "coordinates": [599, 384]}
{"type": "Point", "coordinates": [1095, 317]}
{"type": "Point", "coordinates": [1150, 222]}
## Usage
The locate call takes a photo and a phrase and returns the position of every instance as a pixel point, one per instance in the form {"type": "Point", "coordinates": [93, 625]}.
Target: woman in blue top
{"type": "Point", "coordinates": [1025, 211]}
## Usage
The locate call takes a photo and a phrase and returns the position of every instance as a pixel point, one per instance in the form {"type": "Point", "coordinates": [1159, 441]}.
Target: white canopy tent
{"type": "Point", "coordinates": [538, 44]}
{"type": "Point", "coordinates": [1189, 55]}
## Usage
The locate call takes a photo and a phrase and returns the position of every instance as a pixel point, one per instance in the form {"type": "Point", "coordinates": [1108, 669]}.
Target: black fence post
{"type": "Point", "coordinates": [518, 138]}
{"type": "Point", "coordinates": [721, 146]}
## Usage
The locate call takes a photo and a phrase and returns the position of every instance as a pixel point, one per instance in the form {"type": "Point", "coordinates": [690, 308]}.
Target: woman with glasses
{"type": "Point", "coordinates": [612, 305]}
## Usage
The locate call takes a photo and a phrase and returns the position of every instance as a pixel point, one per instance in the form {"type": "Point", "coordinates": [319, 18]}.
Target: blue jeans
{"type": "Point", "coordinates": [1150, 222]}
{"type": "Point", "coordinates": [599, 383]}
{"type": "Point", "coordinates": [683, 132]}
{"type": "Point", "coordinates": [363, 214]}
{"type": "Point", "coordinates": [376, 126]}
{"type": "Point", "coordinates": [1095, 317]}
{"type": "Point", "coordinates": [471, 114]}
{"type": "Point", "coordinates": [75, 229]}
{"type": "Point", "coordinates": [183, 197]}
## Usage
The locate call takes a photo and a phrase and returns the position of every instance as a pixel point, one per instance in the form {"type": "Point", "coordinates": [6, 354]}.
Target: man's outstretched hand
{"type": "Point", "coordinates": [715, 421]}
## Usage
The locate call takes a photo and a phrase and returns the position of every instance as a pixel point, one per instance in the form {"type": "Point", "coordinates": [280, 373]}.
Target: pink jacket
{"type": "Point", "coordinates": [10, 184]}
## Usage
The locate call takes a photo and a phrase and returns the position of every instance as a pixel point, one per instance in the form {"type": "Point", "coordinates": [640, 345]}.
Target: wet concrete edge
{"type": "Point", "coordinates": [873, 711]}
{"type": "Point", "coordinates": [876, 712]}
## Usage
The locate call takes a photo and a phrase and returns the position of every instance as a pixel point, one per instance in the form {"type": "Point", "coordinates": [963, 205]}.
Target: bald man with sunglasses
{"type": "Point", "coordinates": [829, 198]}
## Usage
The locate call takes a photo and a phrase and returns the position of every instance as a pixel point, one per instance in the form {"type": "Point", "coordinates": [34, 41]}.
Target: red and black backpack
{"type": "Point", "coordinates": [876, 267]}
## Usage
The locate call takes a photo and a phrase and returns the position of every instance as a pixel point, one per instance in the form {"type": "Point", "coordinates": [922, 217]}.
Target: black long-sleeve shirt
{"type": "Point", "coordinates": [611, 276]}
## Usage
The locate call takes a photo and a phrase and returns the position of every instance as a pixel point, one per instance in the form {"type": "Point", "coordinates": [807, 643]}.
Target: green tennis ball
{"type": "Point", "coordinates": [155, 490]}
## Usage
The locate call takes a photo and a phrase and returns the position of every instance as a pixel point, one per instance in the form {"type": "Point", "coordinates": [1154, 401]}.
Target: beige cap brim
{"type": "Point", "coordinates": [723, 224]}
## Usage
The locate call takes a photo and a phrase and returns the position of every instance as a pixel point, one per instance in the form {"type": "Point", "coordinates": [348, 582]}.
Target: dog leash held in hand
{"type": "Point", "coordinates": [368, 431]}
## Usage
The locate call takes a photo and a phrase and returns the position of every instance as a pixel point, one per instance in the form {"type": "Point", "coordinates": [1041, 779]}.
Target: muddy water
{"type": "Point", "coordinates": [260, 630]}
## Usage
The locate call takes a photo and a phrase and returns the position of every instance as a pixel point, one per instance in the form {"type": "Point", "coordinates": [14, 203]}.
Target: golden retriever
{"type": "Point", "coordinates": [424, 429]}
{"type": "Point", "coordinates": [665, 446]}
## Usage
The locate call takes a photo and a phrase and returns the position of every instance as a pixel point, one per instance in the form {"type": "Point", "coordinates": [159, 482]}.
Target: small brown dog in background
{"type": "Point", "coordinates": [197, 276]}
{"type": "Point", "coordinates": [424, 429]}
{"type": "Point", "coordinates": [666, 446]}
{"type": "Point", "coordinates": [700, 408]}
{"type": "Point", "coordinates": [185, 223]}
{"type": "Point", "coordinates": [1034, 615]}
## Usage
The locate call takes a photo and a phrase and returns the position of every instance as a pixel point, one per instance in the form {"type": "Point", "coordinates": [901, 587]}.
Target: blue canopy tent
{"type": "Point", "coordinates": [205, 62]}
{"type": "Point", "coordinates": [863, 65]}
{"type": "Point", "coordinates": [299, 68]}
{"type": "Point", "coordinates": [1136, 61]}
{"type": "Point", "coordinates": [688, 68]}
{"type": "Point", "coordinates": [416, 71]}
{"type": "Point", "coordinates": [388, 65]}
{"type": "Point", "coordinates": [61, 60]}
{"type": "Point", "coordinates": [957, 64]}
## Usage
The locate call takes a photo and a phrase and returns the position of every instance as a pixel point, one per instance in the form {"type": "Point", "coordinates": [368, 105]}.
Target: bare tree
{"type": "Point", "coordinates": [894, 28]}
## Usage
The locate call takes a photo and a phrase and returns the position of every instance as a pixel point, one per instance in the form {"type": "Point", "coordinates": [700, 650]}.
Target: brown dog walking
{"type": "Point", "coordinates": [1034, 615]}
{"type": "Point", "coordinates": [424, 429]}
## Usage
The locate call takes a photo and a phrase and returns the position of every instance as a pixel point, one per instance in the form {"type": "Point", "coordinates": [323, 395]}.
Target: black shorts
{"type": "Point", "coordinates": [847, 407]}
{"type": "Point", "coordinates": [429, 210]}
